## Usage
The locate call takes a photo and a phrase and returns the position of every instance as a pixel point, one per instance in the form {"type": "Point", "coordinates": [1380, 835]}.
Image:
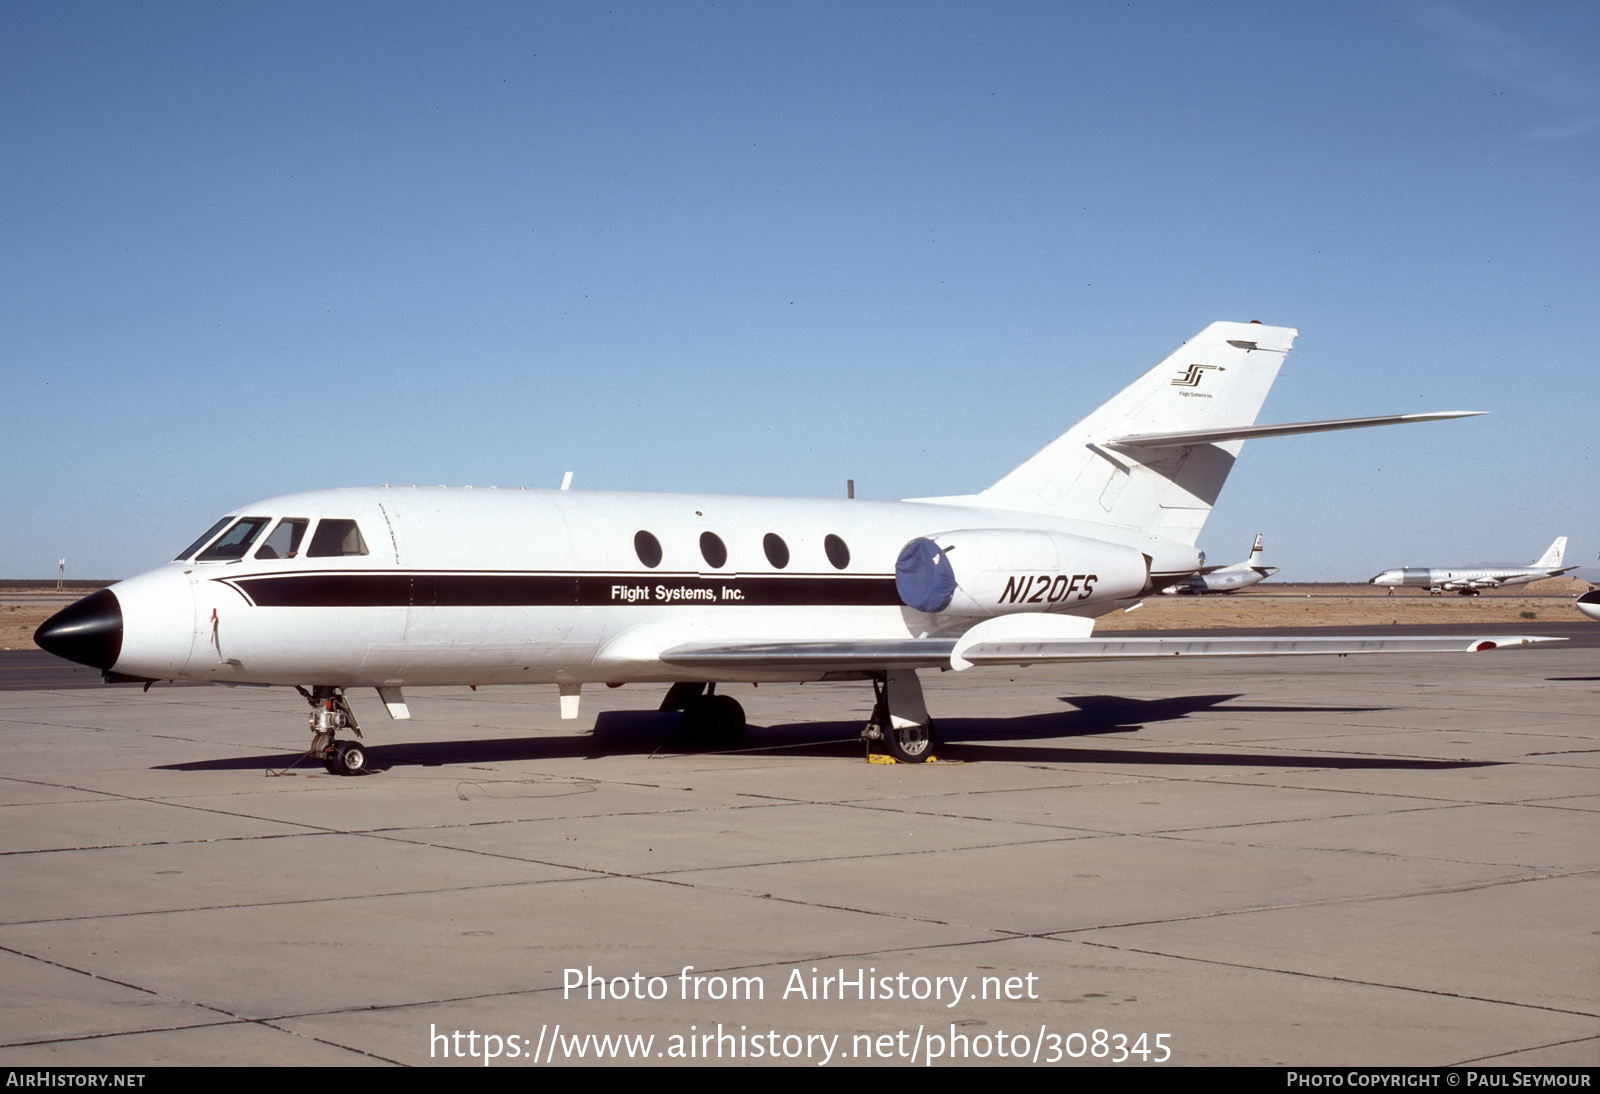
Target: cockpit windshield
{"type": "Point", "coordinates": [284, 542]}
{"type": "Point", "coordinates": [334, 538]}
{"type": "Point", "coordinates": [235, 541]}
{"type": "Point", "coordinates": [203, 540]}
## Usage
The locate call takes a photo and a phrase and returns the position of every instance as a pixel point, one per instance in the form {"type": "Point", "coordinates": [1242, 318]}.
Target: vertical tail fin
{"type": "Point", "coordinates": [1255, 553]}
{"type": "Point", "coordinates": [1217, 379]}
{"type": "Point", "coordinates": [1551, 559]}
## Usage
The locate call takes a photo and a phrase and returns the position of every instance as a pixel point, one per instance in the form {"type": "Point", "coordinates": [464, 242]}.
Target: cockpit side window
{"type": "Point", "coordinates": [336, 537]}
{"type": "Point", "coordinates": [284, 542]}
{"type": "Point", "coordinates": [235, 541]}
{"type": "Point", "coordinates": [203, 540]}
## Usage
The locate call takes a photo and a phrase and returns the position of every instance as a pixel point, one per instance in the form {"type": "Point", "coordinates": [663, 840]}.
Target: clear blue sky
{"type": "Point", "coordinates": [251, 249]}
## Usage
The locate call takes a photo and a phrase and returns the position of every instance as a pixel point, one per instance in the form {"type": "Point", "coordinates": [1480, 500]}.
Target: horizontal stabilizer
{"type": "Point", "coordinates": [1283, 429]}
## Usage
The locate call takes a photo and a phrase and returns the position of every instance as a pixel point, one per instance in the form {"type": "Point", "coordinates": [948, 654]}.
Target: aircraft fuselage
{"type": "Point", "coordinates": [476, 586]}
{"type": "Point", "coordinates": [1455, 580]}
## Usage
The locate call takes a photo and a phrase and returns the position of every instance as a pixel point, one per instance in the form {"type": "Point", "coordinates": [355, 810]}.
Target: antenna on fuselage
{"type": "Point", "coordinates": [566, 481]}
{"type": "Point", "coordinates": [850, 488]}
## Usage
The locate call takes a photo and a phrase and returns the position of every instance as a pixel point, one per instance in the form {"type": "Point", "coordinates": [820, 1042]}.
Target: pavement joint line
{"type": "Point", "coordinates": [592, 875]}
{"type": "Point", "coordinates": [1526, 1048]}
{"type": "Point", "coordinates": [1332, 978]}
{"type": "Point", "coordinates": [71, 1038]}
{"type": "Point", "coordinates": [1336, 901]}
{"type": "Point", "coordinates": [1393, 856]}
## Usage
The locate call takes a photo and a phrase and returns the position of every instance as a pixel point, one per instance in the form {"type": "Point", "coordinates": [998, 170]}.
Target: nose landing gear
{"type": "Point", "coordinates": [330, 712]}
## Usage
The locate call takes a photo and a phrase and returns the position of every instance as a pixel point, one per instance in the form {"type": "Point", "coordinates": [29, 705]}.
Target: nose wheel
{"type": "Point", "coordinates": [899, 720]}
{"type": "Point", "coordinates": [910, 745]}
{"type": "Point", "coordinates": [341, 757]}
{"type": "Point", "coordinates": [330, 712]}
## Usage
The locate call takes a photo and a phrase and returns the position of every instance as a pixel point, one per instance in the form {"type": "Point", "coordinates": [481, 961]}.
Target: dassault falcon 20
{"type": "Point", "coordinates": [388, 588]}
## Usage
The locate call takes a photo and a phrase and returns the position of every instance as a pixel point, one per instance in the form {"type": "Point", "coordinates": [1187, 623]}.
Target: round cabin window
{"type": "Point", "coordinates": [838, 553]}
{"type": "Point", "coordinates": [648, 548]}
{"type": "Point", "coordinates": [777, 550]}
{"type": "Point", "coordinates": [713, 550]}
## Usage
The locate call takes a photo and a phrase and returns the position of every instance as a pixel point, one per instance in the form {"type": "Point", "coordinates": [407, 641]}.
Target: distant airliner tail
{"type": "Point", "coordinates": [1551, 559]}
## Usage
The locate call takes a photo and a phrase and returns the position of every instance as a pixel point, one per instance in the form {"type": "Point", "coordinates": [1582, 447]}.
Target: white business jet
{"type": "Point", "coordinates": [1225, 579]}
{"type": "Point", "coordinates": [394, 587]}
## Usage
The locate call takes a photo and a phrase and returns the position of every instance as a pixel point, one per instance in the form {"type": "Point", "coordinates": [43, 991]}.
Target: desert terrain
{"type": "Point", "coordinates": [1273, 604]}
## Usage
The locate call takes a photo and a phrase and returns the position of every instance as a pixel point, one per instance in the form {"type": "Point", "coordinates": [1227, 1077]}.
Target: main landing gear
{"type": "Point", "coordinates": [900, 717]}
{"type": "Point", "coordinates": [716, 721]}
{"type": "Point", "coordinates": [330, 712]}
{"type": "Point", "coordinates": [899, 721]}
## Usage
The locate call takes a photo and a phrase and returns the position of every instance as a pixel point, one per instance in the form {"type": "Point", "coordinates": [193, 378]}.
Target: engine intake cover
{"type": "Point", "coordinates": [1000, 571]}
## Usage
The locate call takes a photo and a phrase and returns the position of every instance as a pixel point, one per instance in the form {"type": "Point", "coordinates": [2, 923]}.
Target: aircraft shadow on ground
{"type": "Point", "coordinates": [993, 740]}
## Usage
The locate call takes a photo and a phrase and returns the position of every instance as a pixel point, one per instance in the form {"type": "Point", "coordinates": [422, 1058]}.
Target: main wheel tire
{"type": "Point", "coordinates": [350, 758]}
{"type": "Point", "coordinates": [913, 745]}
{"type": "Point", "coordinates": [715, 720]}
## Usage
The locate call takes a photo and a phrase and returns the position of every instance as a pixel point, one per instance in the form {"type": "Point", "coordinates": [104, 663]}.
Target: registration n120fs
{"type": "Point", "coordinates": [387, 588]}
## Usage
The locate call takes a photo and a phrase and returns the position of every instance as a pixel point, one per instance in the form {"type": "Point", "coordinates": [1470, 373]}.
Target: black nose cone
{"type": "Point", "coordinates": [88, 632]}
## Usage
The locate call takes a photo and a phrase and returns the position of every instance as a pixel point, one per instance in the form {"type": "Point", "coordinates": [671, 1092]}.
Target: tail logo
{"type": "Point", "coordinates": [1191, 376]}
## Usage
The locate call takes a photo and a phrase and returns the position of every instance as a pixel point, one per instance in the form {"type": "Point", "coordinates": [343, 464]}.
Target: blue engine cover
{"type": "Point", "coordinates": [923, 577]}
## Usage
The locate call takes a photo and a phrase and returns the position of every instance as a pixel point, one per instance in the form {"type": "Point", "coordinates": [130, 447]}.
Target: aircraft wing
{"type": "Point", "coordinates": [842, 656]}
{"type": "Point", "coordinates": [1051, 651]}
{"type": "Point", "coordinates": [944, 653]}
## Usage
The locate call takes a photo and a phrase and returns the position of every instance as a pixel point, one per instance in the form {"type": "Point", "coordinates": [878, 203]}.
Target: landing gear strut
{"type": "Point", "coordinates": [900, 718]}
{"type": "Point", "coordinates": [330, 712]}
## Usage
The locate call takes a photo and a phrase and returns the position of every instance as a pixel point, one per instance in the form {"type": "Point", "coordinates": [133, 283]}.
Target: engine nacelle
{"type": "Point", "coordinates": [1589, 604]}
{"type": "Point", "coordinates": [998, 571]}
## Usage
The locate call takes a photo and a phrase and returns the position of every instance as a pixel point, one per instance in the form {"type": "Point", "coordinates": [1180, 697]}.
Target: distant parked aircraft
{"type": "Point", "coordinates": [1224, 579]}
{"type": "Point", "coordinates": [1468, 581]}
